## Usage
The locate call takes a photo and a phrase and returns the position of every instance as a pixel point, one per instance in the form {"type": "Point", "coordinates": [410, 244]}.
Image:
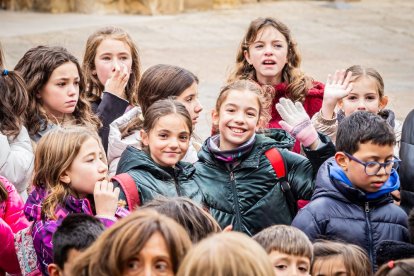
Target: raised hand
{"type": "Point", "coordinates": [297, 122]}
{"type": "Point", "coordinates": [106, 198]}
{"type": "Point", "coordinates": [117, 82]}
{"type": "Point", "coordinates": [337, 87]}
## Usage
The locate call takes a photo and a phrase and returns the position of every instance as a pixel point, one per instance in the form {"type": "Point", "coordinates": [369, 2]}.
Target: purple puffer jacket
{"type": "Point", "coordinates": [44, 228]}
{"type": "Point", "coordinates": [12, 219]}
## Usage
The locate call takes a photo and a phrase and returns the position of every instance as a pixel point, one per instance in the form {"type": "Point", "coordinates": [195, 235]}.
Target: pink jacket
{"type": "Point", "coordinates": [12, 219]}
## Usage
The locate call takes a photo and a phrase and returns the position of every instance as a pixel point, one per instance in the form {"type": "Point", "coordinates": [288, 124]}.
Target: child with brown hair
{"type": "Point", "coordinates": [143, 243]}
{"type": "Point", "coordinates": [56, 89]}
{"type": "Point", "coordinates": [289, 249]}
{"type": "Point", "coordinates": [335, 258]}
{"type": "Point", "coordinates": [227, 253]}
{"type": "Point", "coordinates": [112, 71]}
{"type": "Point", "coordinates": [268, 54]}
{"type": "Point", "coordinates": [397, 268]}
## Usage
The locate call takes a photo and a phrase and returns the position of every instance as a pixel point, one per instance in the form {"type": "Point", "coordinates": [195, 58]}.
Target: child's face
{"type": "Point", "coordinates": [60, 94]}
{"type": "Point", "coordinates": [189, 98]}
{"type": "Point", "coordinates": [356, 172]}
{"type": "Point", "coordinates": [87, 168]}
{"type": "Point", "coordinates": [289, 265]}
{"type": "Point", "coordinates": [109, 54]}
{"type": "Point", "coordinates": [168, 140]}
{"type": "Point", "coordinates": [330, 266]}
{"type": "Point", "coordinates": [268, 55]}
{"type": "Point", "coordinates": [153, 259]}
{"type": "Point", "coordinates": [364, 96]}
{"type": "Point", "coordinates": [237, 118]}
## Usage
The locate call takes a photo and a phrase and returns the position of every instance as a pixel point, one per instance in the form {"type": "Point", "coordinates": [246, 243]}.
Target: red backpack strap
{"type": "Point", "coordinates": [127, 184]}
{"type": "Point", "coordinates": [277, 162]}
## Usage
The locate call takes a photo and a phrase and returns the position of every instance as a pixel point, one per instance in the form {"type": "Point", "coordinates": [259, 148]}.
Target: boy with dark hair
{"type": "Point", "coordinates": [352, 200]}
{"type": "Point", "coordinates": [76, 233]}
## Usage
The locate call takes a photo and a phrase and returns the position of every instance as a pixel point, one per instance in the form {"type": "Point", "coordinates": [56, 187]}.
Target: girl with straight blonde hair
{"type": "Point", "coordinates": [126, 248]}
{"type": "Point", "coordinates": [226, 254]}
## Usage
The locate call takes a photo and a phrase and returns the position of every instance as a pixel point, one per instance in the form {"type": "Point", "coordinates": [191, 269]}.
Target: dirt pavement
{"type": "Point", "coordinates": [376, 33]}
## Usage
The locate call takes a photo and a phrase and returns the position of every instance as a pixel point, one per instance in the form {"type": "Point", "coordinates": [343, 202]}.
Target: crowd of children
{"type": "Point", "coordinates": [101, 172]}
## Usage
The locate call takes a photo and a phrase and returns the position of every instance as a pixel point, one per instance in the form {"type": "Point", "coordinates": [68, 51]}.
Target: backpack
{"type": "Point", "coordinates": [279, 166]}
{"type": "Point", "coordinates": [26, 254]}
{"type": "Point", "coordinates": [131, 192]}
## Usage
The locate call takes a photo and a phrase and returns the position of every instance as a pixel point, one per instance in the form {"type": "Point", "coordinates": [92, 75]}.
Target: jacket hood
{"type": "Point", "coordinates": [265, 140]}
{"type": "Point", "coordinates": [135, 159]}
{"type": "Point", "coordinates": [326, 186]}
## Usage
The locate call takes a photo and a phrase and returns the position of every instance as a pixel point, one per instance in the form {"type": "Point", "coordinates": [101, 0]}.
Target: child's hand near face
{"type": "Point", "coordinates": [106, 198]}
{"type": "Point", "coordinates": [337, 87]}
{"type": "Point", "coordinates": [117, 82]}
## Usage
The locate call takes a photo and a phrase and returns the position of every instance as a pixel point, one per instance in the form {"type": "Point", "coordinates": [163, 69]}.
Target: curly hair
{"type": "Point", "coordinates": [94, 87]}
{"type": "Point", "coordinates": [36, 67]}
{"type": "Point", "coordinates": [13, 104]}
{"type": "Point", "coordinates": [298, 83]}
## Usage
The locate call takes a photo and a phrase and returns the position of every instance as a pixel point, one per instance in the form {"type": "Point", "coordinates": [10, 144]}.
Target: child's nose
{"type": "Point", "coordinates": [198, 107]}
{"type": "Point", "coordinates": [362, 105]}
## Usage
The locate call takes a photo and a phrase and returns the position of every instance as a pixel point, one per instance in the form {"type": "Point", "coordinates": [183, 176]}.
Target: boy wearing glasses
{"type": "Point", "coordinates": [352, 200]}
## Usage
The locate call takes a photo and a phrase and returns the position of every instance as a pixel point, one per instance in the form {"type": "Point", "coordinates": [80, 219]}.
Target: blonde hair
{"type": "Point", "coordinates": [285, 239]}
{"type": "Point", "coordinates": [226, 254]}
{"type": "Point", "coordinates": [355, 258]}
{"type": "Point", "coordinates": [298, 83]}
{"type": "Point", "coordinates": [121, 243]}
{"type": "Point", "coordinates": [94, 87]}
{"type": "Point", "coordinates": [247, 85]}
{"type": "Point", "coordinates": [54, 155]}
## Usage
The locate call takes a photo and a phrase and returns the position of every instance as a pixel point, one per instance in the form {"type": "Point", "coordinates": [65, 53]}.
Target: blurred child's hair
{"type": "Point", "coordinates": [297, 82]}
{"type": "Point", "coordinates": [285, 239]}
{"type": "Point", "coordinates": [54, 155]}
{"type": "Point", "coordinates": [362, 127]}
{"type": "Point", "coordinates": [226, 253]}
{"type": "Point", "coordinates": [121, 243]}
{"type": "Point", "coordinates": [94, 87]}
{"type": "Point", "coordinates": [159, 82]}
{"type": "Point", "coordinates": [354, 257]}
{"type": "Point", "coordinates": [246, 85]}
{"type": "Point", "coordinates": [77, 231]}
{"type": "Point", "coordinates": [4, 195]}
{"type": "Point", "coordinates": [358, 72]}
{"type": "Point", "coordinates": [163, 108]}
{"type": "Point", "coordinates": [197, 222]}
{"type": "Point", "coordinates": [36, 67]}
{"type": "Point", "coordinates": [397, 268]}
{"type": "Point", "coordinates": [14, 102]}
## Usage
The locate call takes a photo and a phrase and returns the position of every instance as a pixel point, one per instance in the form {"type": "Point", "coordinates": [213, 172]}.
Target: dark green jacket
{"type": "Point", "coordinates": [249, 197]}
{"type": "Point", "coordinates": [153, 180]}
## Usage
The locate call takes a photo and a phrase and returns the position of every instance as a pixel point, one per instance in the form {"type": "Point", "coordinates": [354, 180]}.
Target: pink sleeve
{"type": "Point", "coordinates": [8, 257]}
{"type": "Point", "coordinates": [13, 214]}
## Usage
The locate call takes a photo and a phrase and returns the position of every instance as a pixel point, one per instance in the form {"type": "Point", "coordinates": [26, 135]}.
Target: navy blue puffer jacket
{"type": "Point", "coordinates": [340, 212]}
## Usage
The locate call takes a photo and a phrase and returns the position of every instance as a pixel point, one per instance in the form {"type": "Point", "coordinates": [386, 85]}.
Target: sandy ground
{"type": "Point", "coordinates": [375, 33]}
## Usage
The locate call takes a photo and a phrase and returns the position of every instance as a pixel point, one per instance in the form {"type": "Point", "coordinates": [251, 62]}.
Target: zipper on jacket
{"type": "Point", "coordinates": [177, 188]}
{"type": "Point", "coordinates": [236, 201]}
{"type": "Point", "coordinates": [368, 221]}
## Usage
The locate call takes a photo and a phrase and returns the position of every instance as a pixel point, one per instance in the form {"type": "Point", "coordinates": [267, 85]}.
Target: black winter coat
{"type": "Point", "coordinates": [152, 180]}
{"type": "Point", "coordinates": [406, 170]}
{"type": "Point", "coordinates": [340, 212]}
{"type": "Point", "coordinates": [249, 197]}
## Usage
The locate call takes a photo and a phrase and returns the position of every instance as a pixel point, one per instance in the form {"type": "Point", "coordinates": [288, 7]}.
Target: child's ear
{"type": "Point", "coordinates": [340, 103]}
{"type": "Point", "coordinates": [144, 138]}
{"type": "Point", "coordinates": [342, 160]}
{"type": "Point", "coordinates": [65, 178]}
{"type": "Point", "coordinates": [53, 270]}
{"type": "Point", "coordinates": [383, 102]}
{"type": "Point", "coordinates": [247, 56]}
{"type": "Point", "coordinates": [215, 117]}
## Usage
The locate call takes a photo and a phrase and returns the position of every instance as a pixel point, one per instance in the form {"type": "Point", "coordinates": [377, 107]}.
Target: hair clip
{"type": "Point", "coordinates": [391, 264]}
{"type": "Point", "coordinates": [5, 72]}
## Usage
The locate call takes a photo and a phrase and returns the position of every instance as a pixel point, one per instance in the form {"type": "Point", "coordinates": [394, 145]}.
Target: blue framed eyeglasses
{"type": "Point", "coordinates": [373, 167]}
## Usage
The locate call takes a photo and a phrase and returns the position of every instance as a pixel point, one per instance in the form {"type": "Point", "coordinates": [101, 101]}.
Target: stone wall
{"type": "Point", "coordinates": [146, 7]}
